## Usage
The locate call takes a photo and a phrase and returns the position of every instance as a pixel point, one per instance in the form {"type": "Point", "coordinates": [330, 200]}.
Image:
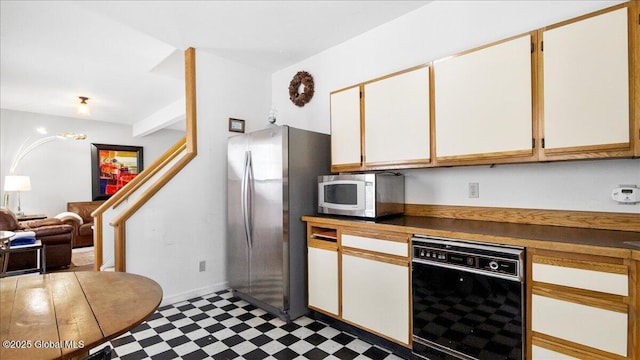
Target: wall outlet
{"type": "Point", "coordinates": [474, 190]}
{"type": "Point", "coordinates": [203, 266]}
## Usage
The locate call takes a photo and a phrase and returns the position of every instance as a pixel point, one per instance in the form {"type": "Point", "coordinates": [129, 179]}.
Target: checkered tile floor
{"type": "Point", "coordinates": [221, 326]}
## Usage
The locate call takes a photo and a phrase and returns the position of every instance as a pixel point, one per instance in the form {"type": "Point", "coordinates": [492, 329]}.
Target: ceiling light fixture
{"type": "Point", "coordinates": [83, 108]}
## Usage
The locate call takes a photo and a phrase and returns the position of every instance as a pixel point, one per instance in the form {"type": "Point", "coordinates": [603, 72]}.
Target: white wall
{"type": "Point", "coordinates": [60, 170]}
{"type": "Point", "coordinates": [575, 185]}
{"type": "Point", "coordinates": [185, 223]}
{"type": "Point", "coordinates": [437, 30]}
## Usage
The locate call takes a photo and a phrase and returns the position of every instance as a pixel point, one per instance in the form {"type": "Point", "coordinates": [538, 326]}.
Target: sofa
{"type": "Point", "coordinates": [55, 234]}
{"type": "Point", "coordinates": [83, 231]}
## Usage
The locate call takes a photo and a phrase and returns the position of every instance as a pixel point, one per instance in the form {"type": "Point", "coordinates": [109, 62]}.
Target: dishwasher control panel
{"type": "Point", "coordinates": [486, 258]}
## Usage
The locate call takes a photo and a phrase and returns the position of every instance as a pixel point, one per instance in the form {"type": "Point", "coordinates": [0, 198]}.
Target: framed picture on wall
{"type": "Point", "coordinates": [236, 125]}
{"type": "Point", "coordinates": [113, 167]}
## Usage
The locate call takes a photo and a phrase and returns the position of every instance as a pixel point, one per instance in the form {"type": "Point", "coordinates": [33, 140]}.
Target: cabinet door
{"type": "Point", "coordinates": [483, 104]}
{"type": "Point", "coordinates": [585, 66]}
{"type": "Point", "coordinates": [345, 129]}
{"type": "Point", "coordinates": [396, 118]}
{"type": "Point", "coordinates": [586, 325]}
{"type": "Point", "coordinates": [323, 280]}
{"type": "Point", "coordinates": [375, 296]}
{"type": "Point", "coordinates": [580, 303]}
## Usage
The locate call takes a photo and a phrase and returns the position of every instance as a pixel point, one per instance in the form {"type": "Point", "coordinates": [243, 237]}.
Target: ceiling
{"type": "Point", "coordinates": [127, 56]}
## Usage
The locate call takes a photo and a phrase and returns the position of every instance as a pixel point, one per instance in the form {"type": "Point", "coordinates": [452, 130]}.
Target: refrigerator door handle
{"type": "Point", "coordinates": [249, 199]}
{"type": "Point", "coordinates": [244, 201]}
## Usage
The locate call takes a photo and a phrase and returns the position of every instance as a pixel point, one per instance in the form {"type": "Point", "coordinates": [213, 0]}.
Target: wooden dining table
{"type": "Point", "coordinates": [63, 315]}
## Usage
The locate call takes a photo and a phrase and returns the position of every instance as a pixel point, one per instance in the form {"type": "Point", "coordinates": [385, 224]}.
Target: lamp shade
{"type": "Point", "coordinates": [17, 183]}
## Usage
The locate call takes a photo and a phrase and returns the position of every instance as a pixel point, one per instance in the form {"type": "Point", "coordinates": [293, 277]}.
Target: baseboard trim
{"type": "Point", "coordinates": [176, 298]}
{"type": "Point", "coordinates": [567, 218]}
{"type": "Point", "coordinates": [364, 335]}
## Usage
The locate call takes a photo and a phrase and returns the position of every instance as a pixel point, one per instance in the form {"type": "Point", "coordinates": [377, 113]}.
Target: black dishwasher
{"type": "Point", "coordinates": [468, 300]}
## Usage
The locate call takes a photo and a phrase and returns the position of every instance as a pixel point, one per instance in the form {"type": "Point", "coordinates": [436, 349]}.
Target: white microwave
{"type": "Point", "coordinates": [371, 195]}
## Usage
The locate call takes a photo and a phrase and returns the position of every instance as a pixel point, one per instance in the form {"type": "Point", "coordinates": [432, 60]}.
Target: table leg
{"type": "Point", "coordinates": [43, 259]}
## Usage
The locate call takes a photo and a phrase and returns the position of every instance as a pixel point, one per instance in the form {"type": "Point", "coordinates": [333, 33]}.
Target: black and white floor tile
{"type": "Point", "coordinates": [221, 326]}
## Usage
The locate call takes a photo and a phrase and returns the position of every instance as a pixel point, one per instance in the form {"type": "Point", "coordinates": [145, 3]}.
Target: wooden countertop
{"type": "Point", "coordinates": [63, 315]}
{"type": "Point", "coordinates": [623, 244]}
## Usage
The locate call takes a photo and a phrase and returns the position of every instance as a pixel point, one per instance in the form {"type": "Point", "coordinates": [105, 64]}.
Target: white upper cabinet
{"type": "Point", "coordinates": [483, 103]}
{"type": "Point", "coordinates": [565, 91]}
{"type": "Point", "coordinates": [396, 118]}
{"type": "Point", "coordinates": [345, 128]}
{"type": "Point", "coordinates": [585, 75]}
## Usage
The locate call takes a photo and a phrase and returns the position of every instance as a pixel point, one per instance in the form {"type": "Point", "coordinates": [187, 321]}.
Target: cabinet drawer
{"type": "Point", "coordinates": [607, 282]}
{"type": "Point", "coordinates": [540, 353]}
{"type": "Point", "coordinates": [598, 328]}
{"type": "Point", "coordinates": [382, 246]}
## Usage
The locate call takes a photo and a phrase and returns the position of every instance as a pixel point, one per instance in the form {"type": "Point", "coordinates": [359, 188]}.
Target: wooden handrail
{"type": "Point", "coordinates": [188, 143]}
{"type": "Point", "coordinates": [119, 221]}
{"type": "Point", "coordinates": [97, 240]}
{"type": "Point", "coordinates": [125, 192]}
{"type": "Point", "coordinates": [148, 173]}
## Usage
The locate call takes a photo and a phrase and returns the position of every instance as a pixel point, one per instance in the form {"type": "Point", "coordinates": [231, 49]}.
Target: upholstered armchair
{"type": "Point", "coordinates": [84, 228]}
{"type": "Point", "coordinates": [56, 235]}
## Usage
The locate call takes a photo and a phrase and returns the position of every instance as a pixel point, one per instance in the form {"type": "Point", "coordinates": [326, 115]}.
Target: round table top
{"type": "Point", "coordinates": [65, 314]}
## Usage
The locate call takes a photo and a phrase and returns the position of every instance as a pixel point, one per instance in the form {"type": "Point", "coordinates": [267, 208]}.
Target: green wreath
{"type": "Point", "coordinates": [305, 79]}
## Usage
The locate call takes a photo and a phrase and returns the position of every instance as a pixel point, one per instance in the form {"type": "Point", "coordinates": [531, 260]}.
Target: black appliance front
{"type": "Point", "coordinates": [460, 313]}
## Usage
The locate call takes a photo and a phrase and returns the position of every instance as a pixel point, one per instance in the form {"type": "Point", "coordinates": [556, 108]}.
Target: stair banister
{"type": "Point", "coordinates": [188, 143]}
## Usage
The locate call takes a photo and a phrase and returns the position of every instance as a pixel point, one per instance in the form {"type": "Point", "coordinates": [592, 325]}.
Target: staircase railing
{"type": "Point", "coordinates": [187, 143]}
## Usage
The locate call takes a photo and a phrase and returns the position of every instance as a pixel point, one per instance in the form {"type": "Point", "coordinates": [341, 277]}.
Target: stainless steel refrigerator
{"type": "Point", "coordinates": [271, 183]}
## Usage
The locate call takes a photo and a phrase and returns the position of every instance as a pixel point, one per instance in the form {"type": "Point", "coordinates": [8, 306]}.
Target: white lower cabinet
{"type": "Point", "coordinates": [375, 296]}
{"type": "Point", "coordinates": [579, 305]}
{"type": "Point", "coordinates": [586, 325]}
{"type": "Point", "coordinates": [323, 280]}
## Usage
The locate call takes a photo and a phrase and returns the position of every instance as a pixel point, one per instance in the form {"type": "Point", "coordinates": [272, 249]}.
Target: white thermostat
{"type": "Point", "coordinates": [626, 194]}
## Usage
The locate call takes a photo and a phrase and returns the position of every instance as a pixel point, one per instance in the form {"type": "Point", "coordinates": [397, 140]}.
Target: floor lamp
{"type": "Point", "coordinates": [25, 149]}
{"type": "Point", "coordinates": [21, 185]}
{"type": "Point", "coordinates": [17, 183]}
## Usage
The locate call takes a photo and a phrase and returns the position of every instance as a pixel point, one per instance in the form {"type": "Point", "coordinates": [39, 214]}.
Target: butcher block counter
{"type": "Point", "coordinates": [572, 259]}
{"type": "Point", "coordinates": [624, 244]}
